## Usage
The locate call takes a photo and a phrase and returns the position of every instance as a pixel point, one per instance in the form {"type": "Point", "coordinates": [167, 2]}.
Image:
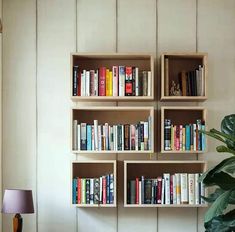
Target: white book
{"type": "Point", "coordinates": [137, 81]}
{"type": "Point", "coordinates": [122, 75]}
{"type": "Point", "coordinates": [146, 135]}
{"type": "Point", "coordinates": [140, 197]}
{"type": "Point", "coordinates": [96, 145]}
{"type": "Point", "coordinates": [149, 82]}
{"type": "Point", "coordinates": [178, 189]}
{"type": "Point", "coordinates": [194, 137]}
{"type": "Point", "coordinates": [101, 189]}
{"type": "Point", "coordinates": [115, 81]}
{"type": "Point", "coordinates": [166, 177]}
{"type": "Point", "coordinates": [122, 137]}
{"type": "Point", "coordinates": [163, 192]}
{"type": "Point", "coordinates": [91, 191]}
{"type": "Point", "coordinates": [75, 144]}
{"type": "Point", "coordinates": [79, 137]}
{"type": "Point", "coordinates": [191, 189]}
{"type": "Point", "coordinates": [197, 202]}
{"type": "Point", "coordinates": [174, 189]}
{"type": "Point", "coordinates": [83, 83]}
{"type": "Point", "coordinates": [184, 188]}
{"type": "Point", "coordinates": [83, 190]}
{"type": "Point", "coordinates": [99, 138]}
{"type": "Point", "coordinates": [96, 83]}
{"type": "Point", "coordinates": [87, 83]}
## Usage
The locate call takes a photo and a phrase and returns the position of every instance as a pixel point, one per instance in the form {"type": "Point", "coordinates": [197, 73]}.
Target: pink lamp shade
{"type": "Point", "coordinates": [17, 201]}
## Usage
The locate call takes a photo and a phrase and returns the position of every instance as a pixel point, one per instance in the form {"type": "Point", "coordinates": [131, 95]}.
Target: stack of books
{"type": "Point", "coordinates": [93, 190]}
{"type": "Point", "coordinates": [117, 81]}
{"type": "Point", "coordinates": [184, 137]}
{"type": "Point", "coordinates": [180, 188]}
{"type": "Point", "coordinates": [128, 137]}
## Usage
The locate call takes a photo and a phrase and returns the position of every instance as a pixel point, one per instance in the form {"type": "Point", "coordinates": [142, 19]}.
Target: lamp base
{"type": "Point", "coordinates": [17, 223]}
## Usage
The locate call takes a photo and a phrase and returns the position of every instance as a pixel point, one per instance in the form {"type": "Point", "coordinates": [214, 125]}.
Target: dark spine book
{"type": "Point", "coordinates": [148, 191]}
{"type": "Point", "coordinates": [127, 137]}
{"type": "Point", "coordinates": [159, 190]}
{"type": "Point", "coordinates": [107, 189]}
{"type": "Point", "coordinates": [79, 83]}
{"type": "Point", "coordinates": [83, 136]}
{"type": "Point", "coordinates": [171, 189]}
{"type": "Point", "coordinates": [167, 134]}
{"type": "Point", "coordinates": [128, 82]}
{"type": "Point", "coordinates": [133, 81]}
{"type": "Point", "coordinates": [191, 136]}
{"type": "Point", "coordinates": [195, 82]}
{"type": "Point", "coordinates": [96, 191]}
{"type": "Point", "coordinates": [111, 189]}
{"type": "Point", "coordinates": [188, 84]}
{"type": "Point", "coordinates": [139, 136]}
{"type": "Point", "coordinates": [119, 137]}
{"type": "Point", "coordinates": [128, 192]}
{"type": "Point", "coordinates": [137, 190]}
{"type": "Point", "coordinates": [145, 83]}
{"type": "Point", "coordinates": [142, 190]}
{"type": "Point", "coordinates": [132, 192]}
{"type": "Point", "coordinates": [87, 191]}
{"type": "Point", "coordinates": [75, 84]}
{"type": "Point", "coordinates": [153, 193]}
{"type": "Point", "coordinates": [140, 82]}
{"type": "Point", "coordinates": [191, 83]}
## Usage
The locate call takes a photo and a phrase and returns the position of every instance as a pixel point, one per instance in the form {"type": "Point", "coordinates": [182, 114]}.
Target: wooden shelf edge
{"type": "Point", "coordinates": [77, 99]}
{"type": "Point", "coordinates": [182, 152]}
{"type": "Point", "coordinates": [165, 206]}
{"type": "Point", "coordinates": [112, 152]}
{"type": "Point", "coordinates": [186, 98]}
{"type": "Point", "coordinates": [95, 205]}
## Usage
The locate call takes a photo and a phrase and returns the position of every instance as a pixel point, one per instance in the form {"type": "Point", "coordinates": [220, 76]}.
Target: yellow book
{"type": "Point", "coordinates": [110, 83]}
{"type": "Point", "coordinates": [107, 84]}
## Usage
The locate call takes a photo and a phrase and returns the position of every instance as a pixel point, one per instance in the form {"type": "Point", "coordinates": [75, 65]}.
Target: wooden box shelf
{"type": "Point", "coordinates": [181, 116]}
{"type": "Point", "coordinates": [151, 169]}
{"type": "Point", "coordinates": [113, 116]}
{"type": "Point", "coordinates": [172, 64]}
{"type": "Point", "coordinates": [94, 169]}
{"type": "Point", "coordinates": [93, 61]}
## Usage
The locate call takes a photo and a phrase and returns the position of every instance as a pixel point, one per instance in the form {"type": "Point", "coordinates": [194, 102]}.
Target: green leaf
{"type": "Point", "coordinates": [213, 196]}
{"type": "Point", "coordinates": [219, 205]}
{"type": "Point", "coordinates": [221, 223]}
{"type": "Point", "coordinates": [224, 149]}
{"type": "Point", "coordinates": [228, 127]}
{"type": "Point", "coordinates": [213, 135]}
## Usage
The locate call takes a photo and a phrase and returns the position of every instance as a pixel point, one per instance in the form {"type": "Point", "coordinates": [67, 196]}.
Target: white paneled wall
{"type": "Point", "coordinates": [37, 40]}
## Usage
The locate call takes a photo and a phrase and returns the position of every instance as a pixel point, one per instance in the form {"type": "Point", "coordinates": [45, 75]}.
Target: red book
{"type": "Point", "coordinates": [171, 189]}
{"type": "Point", "coordinates": [79, 83]}
{"type": "Point", "coordinates": [128, 82]}
{"type": "Point", "coordinates": [79, 190]}
{"type": "Point", "coordinates": [159, 190]}
{"type": "Point", "coordinates": [104, 189]}
{"type": "Point", "coordinates": [137, 190]}
{"type": "Point", "coordinates": [102, 79]}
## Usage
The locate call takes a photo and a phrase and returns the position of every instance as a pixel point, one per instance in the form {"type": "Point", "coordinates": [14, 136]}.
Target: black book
{"type": "Point", "coordinates": [148, 191]}
{"type": "Point", "coordinates": [132, 191]}
{"type": "Point", "coordinates": [75, 84]}
{"type": "Point", "coordinates": [188, 84]}
{"type": "Point", "coordinates": [96, 191]}
{"type": "Point", "coordinates": [133, 81]}
{"type": "Point", "coordinates": [88, 191]}
{"type": "Point", "coordinates": [128, 193]}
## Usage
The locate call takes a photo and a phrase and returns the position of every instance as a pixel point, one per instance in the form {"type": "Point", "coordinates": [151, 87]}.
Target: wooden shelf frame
{"type": "Point", "coordinates": [183, 61]}
{"type": "Point", "coordinates": [94, 169]}
{"type": "Point", "coordinates": [190, 115]}
{"type": "Point", "coordinates": [155, 168]}
{"type": "Point", "coordinates": [113, 115]}
{"type": "Point", "coordinates": [89, 61]}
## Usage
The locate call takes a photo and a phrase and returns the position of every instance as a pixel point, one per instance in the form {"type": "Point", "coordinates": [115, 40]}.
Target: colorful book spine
{"type": "Point", "coordinates": [128, 82]}
{"type": "Point", "coordinates": [122, 75]}
{"type": "Point", "coordinates": [115, 81]}
{"type": "Point", "coordinates": [102, 81]}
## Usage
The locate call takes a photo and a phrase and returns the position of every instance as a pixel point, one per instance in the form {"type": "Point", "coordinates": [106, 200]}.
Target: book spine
{"type": "Point", "coordinates": [83, 191]}
{"type": "Point", "coordinates": [197, 189]}
{"type": "Point", "coordinates": [137, 190]}
{"type": "Point", "coordinates": [194, 137]}
{"type": "Point", "coordinates": [163, 192]}
{"type": "Point", "coordinates": [171, 189]}
{"type": "Point", "coordinates": [142, 190]}
{"type": "Point", "coordinates": [141, 136]}
{"type": "Point", "coordinates": [83, 136]}
{"type": "Point", "coordinates": [178, 189]}
{"type": "Point", "coordinates": [122, 75]}
{"type": "Point", "coordinates": [146, 135]}
{"type": "Point", "coordinates": [187, 142]}
{"type": "Point", "coordinates": [167, 134]}
{"type": "Point", "coordinates": [128, 82]}
{"type": "Point", "coordinates": [102, 80]}
{"type": "Point", "coordinates": [137, 82]}
{"type": "Point", "coordinates": [107, 83]}
{"type": "Point", "coordinates": [91, 191]}
{"type": "Point", "coordinates": [132, 192]}
{"type": "Point", "coordinates": [149, 83]}
{"type": "Point", "coordinates": [166, 177]}
{"type": "Point", "coordinates": [137, 137]}
{"type": "Point", "coordinates": [110, 83]}
{"type": "Point", "coordinates": [99, 137]}
{"type": "Point", "coordinates": [174, 189]}
{"type": "Point", "coordinates": [96, 83]}
{"type": "Point", "coordinates": [107, 189]}
{"type": "Point", "coordinates": [148, 191]}
{"type": "Point", "coordinates": [75, 79]}
{"type": "Point", "coordinates": [145, 83]}
{"type": "Point", "coordinates": [202, 193]}
{"type": "Point", "coordinates": [181, 137]}
{"type": "Point", "coordinates": [122, 137]}
{"type": "Point", "coordinates": [191, 189]}
{"type": "Point", "coordinates": [159, 190]}
{"type": "Point", "coordinates": [96, 191]}
{"type": "Point", "coordinates": [79, 137]}
{"type": "Point", "coordinates": [74, 187]}
{"type": "Point", "coordinates": [150, 132]}
{"type": "Point", "coordinates": [83, 83]}
{"type": "Point", "coordinates": [184, 188]}
{"type": "Point", "coordinates": [87, 191]}
{"type": "Point", "coordinates": [133, 81]}
{"type": "Point", "coordinates": [101, 191]}
{"type": "Point", "coordinates": [87, 83]}
{"type": "Point", "coordinates": [199, 135]}
{"type": "Point", "coordinates": [132, 137]}
{"type": "Point", "coordinates": [111, 189]}
{"type": "Point", "coordinates": [104, 189]}
{"type": "Point", "coordinates": [184, 138]}
{"type": "Point", "coordinates": [79, 190]}
{"type": "Point", "coordinates": [75, 135]}
{"type": "Point", "coordinates": [89, 138]}
{"type": "Point", "coordinates": [203, 137]}
{"type": "Point", "coordinates": [107, 145]}
{"type": "Point", "coordinates": [92, 84]}
{"type": "Point", "coordinates": [115, 81]}
{"type": "Point", "coordinates": [96, 145]}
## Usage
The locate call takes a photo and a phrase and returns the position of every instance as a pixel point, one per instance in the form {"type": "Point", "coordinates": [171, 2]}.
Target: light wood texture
{"type": "Point", "coordinates": [93, 61]}
{"type": "Point", "coordinates": [94, 169]}
{"type": "Point", "coordinates": [181, 115]}
{"type": "Point", "coordinates": [113, 115]}
{"type": "Point", "coordinates": [155, 168]}
{"type": "Point", "coordinates": [187, 61]}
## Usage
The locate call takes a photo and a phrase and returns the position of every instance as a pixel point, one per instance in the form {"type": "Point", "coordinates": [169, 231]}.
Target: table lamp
{"type": "Point", "coordinates": [17, 201]}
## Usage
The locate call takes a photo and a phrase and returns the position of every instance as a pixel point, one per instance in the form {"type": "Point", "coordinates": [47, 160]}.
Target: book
{"type": "Point", "coordinates": [149, 83]}
{"type": "Point", "coordinates": [89, 138]}
{"type": "Point", "coordinates": [128, 82]}
{"type": "Point", "coordinates": [137, 190]}
{"type": "Point", "coordinates": [75, 139]}
{"type": "Point", "coordinates": [184, 188]}
{"type": "Point", "coordinates": [87, 83]}
{"type": "Point", "coordinates": [159, 190]}
{"type": "Point", "coordinates": [79, 184]}
{"type": "Point", "coordinates": [178, 188]}
{"type": "Point", "coordinates": [92, 82]}
{"type": "Point", "coordinates": [126, 138]}
{"type": "Point", "coordinates": [96, 191]}
{"type": "Point", "coordinates": [83, 136]}
{"type": "Point", "coordinates": [197, 189]}
{"type": "Point", "coordinates": [83, 190]}
{"type": "Point", "coordinates": [111, 189]}
{"type": "Point", "coordinates": [87, 191]}
{"type": "Point", "coordinates": [137, 93]}
{"type": "Point", "coordinates": [75, 80]}
{"type": "Point", "coordinates": [92, 191]}
{"type": "Point", "coordinates": [115, 81]}
{"type": "Point", "coordinates": [166, 177]}
{"type": "Point", "coordinates": [167, 134]}
{"type": "Point", "coordinates": [122, 75]}
{"type": "Point", "coordinates": [148, 191]}
{"type": "Point", "coordinates": [102, 81]}
{"type": "Point", "coordinates": [191, 188]}
{"type": "Point", "coordinates": [132, 192]}
{"type": "Point", "coordinates": [145, 83]}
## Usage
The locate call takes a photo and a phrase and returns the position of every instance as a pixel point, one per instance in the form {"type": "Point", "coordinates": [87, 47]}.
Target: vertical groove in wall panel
{"type": "Point", "coordinates": [96, 25]}
{"type": "Point", "coordinates": [1, 60]}
{"type": "Point", "coordinates": [176, 32]}
{"type": "Point", "coordinates": [56, 40]}
{"type": "Point", "coordinates": [216, 36]}
{"type": "Point", "coordinates": [136, 34]}
{"type": "Point", "coordinates": [19, 115]}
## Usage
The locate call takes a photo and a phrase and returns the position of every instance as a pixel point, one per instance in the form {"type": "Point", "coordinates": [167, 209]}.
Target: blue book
{"type": "Point", "coordinates": [74, 191]}
{"type": "Point", "coordinates": [187, 138]}
{"type": "Point", "coordinates": [107, 190]}
{"type": "Point", "coordinates": [111, 189]}
{"type": "Point", "coordinates": [89, 137]}
{"type": "Point", "coordinates": [203, 138]}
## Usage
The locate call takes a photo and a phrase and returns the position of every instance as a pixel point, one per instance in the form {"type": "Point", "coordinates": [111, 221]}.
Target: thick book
{"type": "Point", "coordinates": [191, 188]}
{"type": "Point", "coordinates": [75, 79]}
{"type": "Point", "coordinates": [87, 191]}
{"type": "Point", "coordinates": [145, 83]}
{"type": "Point", "coordinates": [74, 187]}
{"type": "Point", "coordinates": [167, 134]}
{"type": "Point", "coordinates": [111, 189]}
{"type": "Point", "coordinates": [96, 191]}
{"type": "Point", "coordinates": [159, 190]}
{"type": "Point", "coordinates": [87, 83]}
{"type": "Point", "coordinates": [79, 184]}
{"type": "Point", "coordinates": [92, 82]}
{"type": "Point", "coordinates": [132, 192]}
{"type": "Point", "coordinates": [83, 136]}
{"type": "Point", "coordinates": [83, 181]}
{"type": "Point", "coordinates": [128, 82]}
{"type": "Point", "coordinates": [89, 138]}
{"type": "Point", "coordinates": [163, 192]}
{"type": "Point", "coordinates": [178, 188]}
{"type": "Point", "coordinates": [132, 137]}
{"type": "Point", "coordinates": [184, 188]}
{"type": "Point", "coordinates": [122, 75]}
{"type": "Point", "coordinates": [166, 177]}
{"type": "Point", "coordinates": [102, 81]}
{"type": "Point", "coordinates": [127, 137]}
{"type": "Point", "coordinates": [115, 81]}
{"type": "Point", "coordinates": [148, 191]}
{"type": "Point", "coordinates": [92, 191]}
{"type": "Point", "coordinates": [108, 84]}
{"type": "Point", "coordinates": [187, 132]}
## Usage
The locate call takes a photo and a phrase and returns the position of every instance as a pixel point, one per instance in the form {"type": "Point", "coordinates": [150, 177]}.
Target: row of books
{"type": "Point", "coordinates": [119, 81]}
{"type": "Point", "coordinates": [93, 190]}
{"type": "Point", "coordinates": [184, 137]}
{"type": "Point", "coordinates": [180, 188]}
{"type": "Point", "coordinates": [136, 137]}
